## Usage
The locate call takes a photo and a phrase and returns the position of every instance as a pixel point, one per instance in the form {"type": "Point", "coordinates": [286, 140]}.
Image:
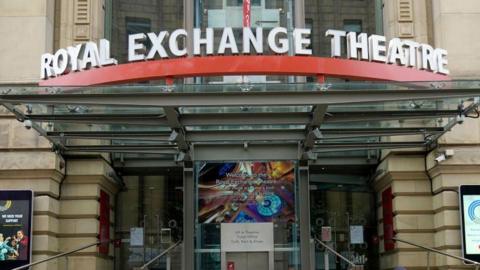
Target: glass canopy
{"type": "Point", "coordinates": [167, 120]}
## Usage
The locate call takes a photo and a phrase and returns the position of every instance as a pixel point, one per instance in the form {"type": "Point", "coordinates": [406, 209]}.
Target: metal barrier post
{"type": "Point", "coordinates": [428, 260]}
{"type": "Point", "coordinates": [312, 255]}
{"type": "Point", "coordinates": [325, 259]}
{"type": "Point", "coordinates": [168, 262]}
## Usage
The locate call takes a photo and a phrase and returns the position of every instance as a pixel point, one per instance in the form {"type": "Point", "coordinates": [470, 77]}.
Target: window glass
{"type": "Point", "coordinates": [240, 2]}
{"type": "Point", "coordinates": [141, 16]}
{"type": "Point", "coordinates": [352, 25]}
{"type": "Point", "coordinates": [355, 16]}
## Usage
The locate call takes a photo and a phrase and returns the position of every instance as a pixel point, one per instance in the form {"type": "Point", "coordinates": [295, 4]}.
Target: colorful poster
{"type": "Point", "coordinates": [15, 228]}
{"type": "Point", "coordinates": [246, 191]}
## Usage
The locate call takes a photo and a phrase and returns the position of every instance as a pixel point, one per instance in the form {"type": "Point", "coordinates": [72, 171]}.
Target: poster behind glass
{"type": "Point", "coordinates": [15, 228]}
{"type": "Point", "coordinates": [246, 191]}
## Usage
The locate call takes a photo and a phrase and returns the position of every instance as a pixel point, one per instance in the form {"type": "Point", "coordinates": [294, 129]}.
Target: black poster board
{"type": "Point", "coordinates": [16, 209]}
{"type": "Point", "coordinates": [469, 203]}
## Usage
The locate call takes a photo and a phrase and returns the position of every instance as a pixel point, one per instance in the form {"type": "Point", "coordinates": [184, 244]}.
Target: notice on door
{"type": "Point", "coordinates": [243, 237]}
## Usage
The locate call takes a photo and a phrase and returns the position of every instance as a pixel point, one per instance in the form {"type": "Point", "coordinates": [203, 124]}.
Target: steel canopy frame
{"type": "Point", "coordinates": [303, 98]}
{"type": "Point", "coordinates": [210, 119]}
{"type": "Point", "coordinates": [178, 122]}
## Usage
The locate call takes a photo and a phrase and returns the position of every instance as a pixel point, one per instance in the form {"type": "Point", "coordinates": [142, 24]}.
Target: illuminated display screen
{"type": "Point", "coordinates": [471, 217]}
{"type": "Point", "coordinates": [247, 191]}
{"type": "Point", "coordinates": [15, 228]}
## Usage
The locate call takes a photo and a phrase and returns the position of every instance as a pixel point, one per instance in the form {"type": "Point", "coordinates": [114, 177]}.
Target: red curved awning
{"type": "Point", "coordinates": [243, 65]}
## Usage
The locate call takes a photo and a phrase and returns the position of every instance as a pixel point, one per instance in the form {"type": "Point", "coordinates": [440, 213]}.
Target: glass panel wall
{"type": "Point", "coordinates": [141, 16]}
{"type": "Point", "coordinates": [247, 192]}
{"type": "Point", "coordinates": [267, 14]}
{"type": "Point", "coordinates": [347, 15]}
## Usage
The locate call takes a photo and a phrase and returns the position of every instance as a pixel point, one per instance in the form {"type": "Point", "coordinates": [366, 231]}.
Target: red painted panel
{"type": "Point", "coordinates": [246, 13]}
{"type": "Point", "coordinates": [243, 65]}
{"type": "Point", "coordinates": [104, 222]}
{"type": "Point", "coordinates": [388, 232]}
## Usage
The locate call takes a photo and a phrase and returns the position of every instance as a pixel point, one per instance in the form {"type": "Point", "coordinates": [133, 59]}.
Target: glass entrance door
{"type": "Point", "coordinates": [343, 217]}
{"type": "Point", "coordinates": [149, 218]}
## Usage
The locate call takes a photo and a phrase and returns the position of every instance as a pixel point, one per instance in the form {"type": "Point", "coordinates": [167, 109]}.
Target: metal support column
{"type": "Point", "coordinates": [304, 215]}
{"type": "Point", "coordinates": [188, 217]}
{"type": "Point", "coordinates": [188, 21]}
{"type": "Point", "coordinates": [299, 18]}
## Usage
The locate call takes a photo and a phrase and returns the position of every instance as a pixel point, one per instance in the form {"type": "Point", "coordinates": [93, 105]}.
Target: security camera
{"type": "Point", "coordinates": [318, 134]}
{"type": "Point", "coordinates": [460, 119]}
{"type": "Point", "coordinates": [27, 124]}
{"type": "Point", "coordinates": [449, 153]}
{"type": "Point", "coordinates": [440, 158]}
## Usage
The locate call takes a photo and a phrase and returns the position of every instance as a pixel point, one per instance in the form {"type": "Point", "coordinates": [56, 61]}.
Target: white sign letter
{"type": "Point", "coordinates": [46, 70]}
{"type": "Point", "coordinates": [442, 61]}
{"type": "Point", "coordinates": [157, 45]}
{"type": "Point", "coordinates": [228, 41]}
{"type": "Point", "coordinates": [173, 42]}
{"type": "Point", "coordinates": [411, 49]}
{"type": "Point", "coordinates": [198, 41]}
{"type": "Point", "coordinates": [396, 52]}
{"type": "Point", "coordinates": [300, 41]}
{"type": "Point", "coordinates": [134, 45]}
{"type": "Point", "coordinates": [74, 52]}
{"type": "Point", "coordinates": [336, 46]}
{"type": "Point", "coordinates": [105, 59]}
{"type": "Point", "coordinates": [353, 46]}
{"type": "Point", "coordinates": [272, 36]}
{"type": "Point", "coordinates": [378, 50]}
{"type": "Point", "coordinates": [428, 58]}
{"type": "Point", "coordinates": [60, 62]}
{"type": "Point", "coordinates": [250, 39]}
{"type": "Point", "coordinates": [90, 55]}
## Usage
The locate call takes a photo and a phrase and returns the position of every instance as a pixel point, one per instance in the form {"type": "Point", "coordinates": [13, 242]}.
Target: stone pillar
{"type": "Point", "coordinates": [463, 168]}
{"type": "Point", "coordinates": [79, 211]}
{"type": "Point", "coordinates": [27, 162]}
{"type": "Point", "coordinates": [413, 214]}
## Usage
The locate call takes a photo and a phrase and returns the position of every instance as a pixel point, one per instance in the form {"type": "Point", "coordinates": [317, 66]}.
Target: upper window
{"type": "Point", "coordinates": [137, 25]}
{"type": "Point", "coordinates": [352, 25]}
{"type": "Point", "coordinates": [235, 3]}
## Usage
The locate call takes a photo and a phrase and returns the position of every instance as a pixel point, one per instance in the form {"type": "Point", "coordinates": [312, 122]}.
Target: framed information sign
{"type": "Point", "coordinates": [16, 208]}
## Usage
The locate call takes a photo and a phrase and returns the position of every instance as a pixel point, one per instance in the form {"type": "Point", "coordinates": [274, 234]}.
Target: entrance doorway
{"type": "Point", "coordinates": [343, 217]}
{"type": "Point", "coordinates": [247, 260]}
{"type": "Point", "coordinates": [149, 219]}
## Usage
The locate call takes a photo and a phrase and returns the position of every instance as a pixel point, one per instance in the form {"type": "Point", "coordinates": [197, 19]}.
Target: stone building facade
{"type": "Point", "coordinates": [67, 188]}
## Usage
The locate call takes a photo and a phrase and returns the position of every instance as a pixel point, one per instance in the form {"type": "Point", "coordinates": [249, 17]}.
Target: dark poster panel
{"type": "Point", "coordinates": [104, 236]}
{"type": "Point", "coordinates": [16, 209]}
{"type": "Point", "coordinates": [469, 203]}
{"type": "Point", "coordinates": [246, 191]}
{"type": "Point", "coordinates": [388, 232]}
